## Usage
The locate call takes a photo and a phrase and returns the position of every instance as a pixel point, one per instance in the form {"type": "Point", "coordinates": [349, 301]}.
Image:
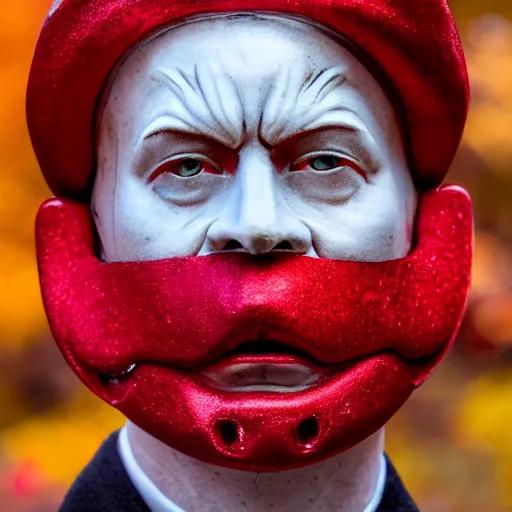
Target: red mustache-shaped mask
{"type": "Point", "coordinates": [146, 337]}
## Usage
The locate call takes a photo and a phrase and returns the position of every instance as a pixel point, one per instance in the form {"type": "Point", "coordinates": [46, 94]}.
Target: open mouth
{"type": "Point", "coordinates": [260, 366]}
{"type": "Point", "coordinates": [264, 365]}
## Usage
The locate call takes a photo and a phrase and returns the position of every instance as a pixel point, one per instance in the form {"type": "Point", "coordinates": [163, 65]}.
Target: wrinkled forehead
{"type": "Point", "coordinates": [252, 57]}
{"type": "Point", "coordinates": [242, 44]}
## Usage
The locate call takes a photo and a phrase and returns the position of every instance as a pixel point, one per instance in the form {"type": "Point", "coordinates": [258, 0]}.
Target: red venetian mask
{"type": "Point", "coordinates": [144, 336]}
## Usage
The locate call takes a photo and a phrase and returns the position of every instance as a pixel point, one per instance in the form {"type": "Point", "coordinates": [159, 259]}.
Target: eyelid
{"type": "Point", "coordinates": [329, 152]}
{"type": "Point", "coordinates": [157, 170]}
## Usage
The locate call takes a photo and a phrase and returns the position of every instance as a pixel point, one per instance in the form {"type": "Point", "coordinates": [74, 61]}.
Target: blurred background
{"type": "Point", "coordinates": [452, 442]}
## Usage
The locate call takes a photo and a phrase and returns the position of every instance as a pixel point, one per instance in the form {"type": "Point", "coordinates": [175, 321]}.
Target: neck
{"type": "Point", "coordinates": [345, 483]}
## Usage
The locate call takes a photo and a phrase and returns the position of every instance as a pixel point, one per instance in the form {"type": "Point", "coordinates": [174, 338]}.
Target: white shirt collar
{"type": "Point", "coordinates": [151, 495]}
{"type": "Point", "coordinates": [158, 502]}
{"type": "Point", "coordinates": [379, 489]}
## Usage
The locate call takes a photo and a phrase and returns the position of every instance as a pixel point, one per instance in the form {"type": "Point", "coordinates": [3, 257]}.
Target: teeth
{"type": "Point", "coordinates": [116, 378]}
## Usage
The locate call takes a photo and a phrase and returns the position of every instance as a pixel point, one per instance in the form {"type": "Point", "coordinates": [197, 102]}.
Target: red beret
{"type": "Point", "coordinates": [414, 42]}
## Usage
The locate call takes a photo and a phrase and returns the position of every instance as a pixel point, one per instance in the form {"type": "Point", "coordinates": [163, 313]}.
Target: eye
{"type": "Point", "coordinates": [323, 162]}
{"type": "Point", "coordinates": [187, 167]}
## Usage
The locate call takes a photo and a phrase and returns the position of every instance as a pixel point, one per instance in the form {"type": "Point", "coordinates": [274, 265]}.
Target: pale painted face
{"type": "Point", "coordinates": [250, 134]}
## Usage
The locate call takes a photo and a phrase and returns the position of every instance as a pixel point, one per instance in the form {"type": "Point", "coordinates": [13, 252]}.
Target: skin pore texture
{"type": "Point", "coordinates": [251, 133]}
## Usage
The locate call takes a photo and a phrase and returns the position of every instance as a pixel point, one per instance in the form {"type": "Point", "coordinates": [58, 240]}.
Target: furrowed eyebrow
{"type": "Point", "coordinates": [204, 112]}
{"type": "Point", "coordinates": [291, 108]}
{"type": "Point", "coordinates": [171, 132]}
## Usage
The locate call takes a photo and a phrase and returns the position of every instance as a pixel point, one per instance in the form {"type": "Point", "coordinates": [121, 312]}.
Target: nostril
{"type": "Point", "coordinates": [283, 246]}
{"type": "Point", "coordinates": [233, 245]}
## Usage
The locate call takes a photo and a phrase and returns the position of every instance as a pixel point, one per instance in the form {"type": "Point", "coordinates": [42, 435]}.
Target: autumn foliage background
{"type": "Point", "coordinates": [452, 442]}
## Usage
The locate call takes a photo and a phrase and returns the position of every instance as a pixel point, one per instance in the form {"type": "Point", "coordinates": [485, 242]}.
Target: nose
{"type": "Point", "coordinates": [256, 217]}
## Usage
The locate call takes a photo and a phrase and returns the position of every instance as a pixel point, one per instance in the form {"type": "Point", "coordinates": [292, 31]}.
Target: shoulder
{"type": "Point", "coordinates": [104, 485]}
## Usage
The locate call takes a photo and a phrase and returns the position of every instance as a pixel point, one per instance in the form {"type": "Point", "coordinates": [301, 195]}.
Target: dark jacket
{"type": "Point", "coordinates": [104, 486]}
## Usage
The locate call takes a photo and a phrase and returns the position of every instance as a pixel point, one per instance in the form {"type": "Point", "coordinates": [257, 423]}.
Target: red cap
{"type": "Point", "coordinates": [414, 42]}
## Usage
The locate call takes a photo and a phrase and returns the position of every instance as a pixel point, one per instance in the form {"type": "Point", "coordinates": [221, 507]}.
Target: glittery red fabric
{"type": "Point", "coordinates": [414, 42]}
{"type": "Point", "coordinates": [380, 328]}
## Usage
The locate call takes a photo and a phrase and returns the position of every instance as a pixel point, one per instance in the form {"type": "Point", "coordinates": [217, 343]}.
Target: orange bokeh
{"type": "Point", "coordinates": [452, 442]}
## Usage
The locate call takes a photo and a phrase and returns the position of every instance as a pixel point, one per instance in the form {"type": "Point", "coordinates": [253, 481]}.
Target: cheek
{"type": "Point", "coordinates": [136, 225]}
{"type": "Point", "coordinates": [373, 226]}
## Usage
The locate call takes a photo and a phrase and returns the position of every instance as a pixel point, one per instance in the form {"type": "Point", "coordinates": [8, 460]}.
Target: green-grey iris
{"type": "Point", "coordinates": [189, 167]}
{"type": "Point", "coordinates": [324, 163]}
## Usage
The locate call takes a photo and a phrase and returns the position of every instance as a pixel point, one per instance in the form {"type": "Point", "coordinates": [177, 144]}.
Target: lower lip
{"type": "Point", "coordinates": [264, 372]}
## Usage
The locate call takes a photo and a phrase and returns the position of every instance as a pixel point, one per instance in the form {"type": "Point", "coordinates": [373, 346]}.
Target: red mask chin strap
{"type": "Point", "coordinates": [140, 335]}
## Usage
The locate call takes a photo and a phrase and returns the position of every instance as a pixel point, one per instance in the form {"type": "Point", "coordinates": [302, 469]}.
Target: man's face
{"type": "Point", "coordinates": [256, 135]}
{"type": "Point", "coordinates": [250, 134]}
